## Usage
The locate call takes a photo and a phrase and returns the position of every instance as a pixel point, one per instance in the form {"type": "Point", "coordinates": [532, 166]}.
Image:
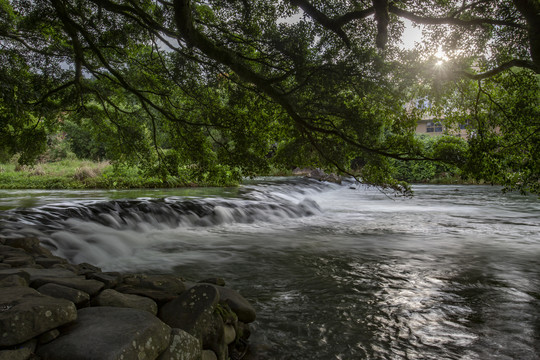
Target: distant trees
{"type": "Point", "coordinates": [215, 84]}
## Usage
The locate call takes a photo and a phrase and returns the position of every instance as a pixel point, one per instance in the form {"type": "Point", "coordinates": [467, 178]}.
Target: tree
{"type": "Point", "coordinates": [226, 80]}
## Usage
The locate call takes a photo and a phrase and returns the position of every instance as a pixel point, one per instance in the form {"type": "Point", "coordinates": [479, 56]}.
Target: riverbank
{"type": "Point", "coordinates": [51, 309]}
{"type": "Point", "coordinates": [83, 174]}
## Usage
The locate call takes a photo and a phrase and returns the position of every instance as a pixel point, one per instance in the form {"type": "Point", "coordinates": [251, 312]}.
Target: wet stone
{"type": "Point", "coordinates": [30, 245]}
{"type": "Point", "coordinates": [208, 355]}
{"type": "Point", "coordinates": [13, 280]}
{"type": "Point", "coordinates": [108, 333]}
{"type": "Point", "coordinates": [216, 281]}
{"type": "Point", "coordinates": [78, 297]}
{"type": "Point", "coordinates": [48, 262]}
{"type": "Point", "coordinates": [91, 287]}
{"type": "Point", "coordinates": [16, 354]}
{"type": "Point", "coordinates": [192, 310]}
{"type": "Point", "coordinates": [110, 279]}
{"type": "Point", "coordinates": [48, 336]}
{"type": "Point", "coordinates": [237, 303]}
{"type": "Point", "coordinates": [168, 283]}
{"type": "Point", "coordinates": [25, 313]}
{"type": "Point", "coordinates": [182, 346]}
{"type": "Point", "coordinates": [160, 297]}
{"type": "Point", "coordinates": [18, 261]}
{"type": "Point", "coordinates": [114, 298]}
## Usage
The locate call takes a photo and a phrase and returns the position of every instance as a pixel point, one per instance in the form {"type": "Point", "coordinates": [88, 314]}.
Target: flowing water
{"type": "Point", "coordinates": [334, 272]}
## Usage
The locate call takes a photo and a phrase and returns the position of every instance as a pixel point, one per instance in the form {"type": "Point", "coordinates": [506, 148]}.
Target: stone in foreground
{"type": "Point", "coordinates": [183, 346]}
{"type": "Point", "coordinates": [114, 298]}
{"type": "Point", "coordinates": [107, 333]}
{"type": "Point", "coordinates": [237, 303]}
{"type": "Point", "coordinates": [25, 313]}
{"type": "Point", "coordinates": [78, 297]}
{"type": "Point", "coordinates": [192, 311]}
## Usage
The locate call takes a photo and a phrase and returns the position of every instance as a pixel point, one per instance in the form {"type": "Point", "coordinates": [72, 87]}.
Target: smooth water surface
{"type": "Point", "coordinates": [334, 272]}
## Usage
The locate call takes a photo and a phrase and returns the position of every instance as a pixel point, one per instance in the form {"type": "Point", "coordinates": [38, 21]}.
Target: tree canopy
{"type": "Point", "coordinates": [243, 84]}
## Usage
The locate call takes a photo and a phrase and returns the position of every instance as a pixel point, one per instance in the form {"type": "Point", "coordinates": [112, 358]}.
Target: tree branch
{"type": "Point", "coordinates": [322, 19]}
{"type": "Point", "coordinates": [499, 69]}
{"type": "Point", "coordinates": [428, 20]}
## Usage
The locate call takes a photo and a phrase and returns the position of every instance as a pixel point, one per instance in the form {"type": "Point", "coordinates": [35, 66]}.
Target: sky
{"type": "Point", "coordinates": [410, 35]}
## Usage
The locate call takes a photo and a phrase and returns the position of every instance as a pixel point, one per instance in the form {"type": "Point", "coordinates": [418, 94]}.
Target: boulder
{"type": "Point", "coordinates": [13, 280]}
{"type": "Point", "coordinates": [86, 268]}
{"type": "Point", "coordinates": [182, 346]}
{"type": "Point", "coordinates": [107, 333]}
{"type": "Point", "coordinates": [25, 313]}
{"type": "Point", "coordinates": [34, 273]}
{"type": "Point", "coordinates": [30, 245]}
{"type": "Point", "coordinates": [23, 351]}
{"type": "Point", "coordinates": [78, 297]}
{"type": "Point", "coordinates": [160, 297]}
{"type": "Point", "coordinates": [216, 281]}
{"type": "Point", "coordinates": [16, 354]}
{"type": "Point", "coordinates": [237, 303]}
{"type": "Point", "coordinates": [49, 262]}
{"type": "Point", "coordinates": [192, 310]}
{"type": "Point", "coordinates": [110, 279]}
{"type": "Point", "coordinates": [18, 261]}
{"type": "Point", "coordinates": [91, 287]}
{"type": "Point", "coordinates": [195, 312]}
{"type": "Point", "coordinates": [48, 336]}
{"type": "Point", "coordinates": [114, 298]}
{"type": "Point", "coordinates": [168, 283]}
{"type": "Point", "coordinates": [229, 333]}
{"type": "Point", "coordinates": [208, 355]}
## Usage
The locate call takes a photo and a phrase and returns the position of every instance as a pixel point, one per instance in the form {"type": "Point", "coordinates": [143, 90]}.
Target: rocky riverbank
{"type": "Point", "coordinates": [51, 309]}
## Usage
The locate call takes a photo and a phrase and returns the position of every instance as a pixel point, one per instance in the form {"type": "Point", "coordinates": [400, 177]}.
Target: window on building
{"type": "Point", "coordinates": [464, 125]}
{"type": "Point", "coordinates": [434, 127]}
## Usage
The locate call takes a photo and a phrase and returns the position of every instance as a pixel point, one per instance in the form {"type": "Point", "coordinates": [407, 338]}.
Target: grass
{"type": "Point", "coordinates": [80, 174]}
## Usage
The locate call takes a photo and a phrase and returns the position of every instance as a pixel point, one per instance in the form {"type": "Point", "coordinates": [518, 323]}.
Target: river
{"type": "Point", "coordinates": [334, 271]}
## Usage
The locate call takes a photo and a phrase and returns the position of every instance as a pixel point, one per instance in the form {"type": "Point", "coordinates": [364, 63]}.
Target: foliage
{"type": "Point", "coordinates": [452, 149]}
{"type": "Point", "coordinates": [209, 91]}
{"type": "Point", "coordinates": [83, 174]}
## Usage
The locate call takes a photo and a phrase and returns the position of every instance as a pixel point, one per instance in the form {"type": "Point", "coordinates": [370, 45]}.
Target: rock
{"type": "Point", "coordinates": [229, 334]}
{"type": "Point", "coordinates": [237, 303]}
{"type": "Point", "coordinates": [34, 273]}
{"type": "Point", "coordinates": [215, 281]}
{"type": "Point", "coordinates": [49, 262]}
{"type": "Point", "coordinates": [13, 280]}
{"type": "Point", "coordinates": [30, 245]}
{"type": "Point", "coordinates": [168, 283]}
{"type": "Point", "coordinates": [194, 312]}
{"type": "Point", "coordinates": [183, 346]}
{"type": "Point", "coordinates": [110, 279]}
{"type": "Point", "coordinates": [208, 355]}
{"type": "Point", "coordinates": [48, 336]}
{"type": "Point", "coordinates": [10, 251]}
{"type": "Point", "coordinates": [78, 297]}
{"type": "Point", "coordinates": [19, 261]}
{"type": "Point", "coordinates": [17, 354]}
{"type": "Point", "coordinates": [23, 351]}
{"type": "Point", "coordinates": [107, 333]}
{"type": "Point", "coordinates": [160, 297]}
{"type": "Point", "coordinates": [191, 310]}
{"type": "Point", "coordinates": [91, 287]}
{"type": "Point", "coordinates": [5, 266]}
{"type": "Point", "coordinates": [114, 298]}
{"type": "Point", "coordinates": [25, 313]}
{"type": "Point", "coordinates": [86, 268]}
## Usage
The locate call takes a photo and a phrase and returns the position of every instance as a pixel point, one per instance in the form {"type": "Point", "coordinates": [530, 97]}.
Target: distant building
{"type": "Point", "coordinates": [433, 126]}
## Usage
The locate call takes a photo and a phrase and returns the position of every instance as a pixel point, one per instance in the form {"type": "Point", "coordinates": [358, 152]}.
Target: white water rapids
{"type": "Point", "coordinates": [334, 272]}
